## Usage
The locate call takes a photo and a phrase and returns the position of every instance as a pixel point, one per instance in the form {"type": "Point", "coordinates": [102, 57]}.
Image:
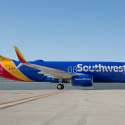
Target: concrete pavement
{"type": "Point", "coordinates": [75, 107]}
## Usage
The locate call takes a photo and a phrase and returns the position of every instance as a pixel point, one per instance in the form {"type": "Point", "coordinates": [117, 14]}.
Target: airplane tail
{"type": "Point", "coordinates": [20, 56]}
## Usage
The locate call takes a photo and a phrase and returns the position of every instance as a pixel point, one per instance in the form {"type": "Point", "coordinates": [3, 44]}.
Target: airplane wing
{"type": "Point", "coordinates": [50, 72]}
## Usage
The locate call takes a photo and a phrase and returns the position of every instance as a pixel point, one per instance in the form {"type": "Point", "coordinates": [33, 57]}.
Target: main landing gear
{"type": "Point", "coordinates": [60, 86]}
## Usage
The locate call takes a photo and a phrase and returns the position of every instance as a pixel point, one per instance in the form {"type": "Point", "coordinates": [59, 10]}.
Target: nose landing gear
{"type": "Point", "coordinates": [60, 86]}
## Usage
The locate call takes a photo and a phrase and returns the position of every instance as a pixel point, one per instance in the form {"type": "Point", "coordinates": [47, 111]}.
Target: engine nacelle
{"type": "Point", "coordinates": [82, 80]}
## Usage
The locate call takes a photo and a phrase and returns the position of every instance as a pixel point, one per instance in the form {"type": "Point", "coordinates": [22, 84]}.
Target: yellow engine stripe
{"type": "Point", "coordinates": [9, 64]}
{"type": "Point", "coordinates": [29, 99]}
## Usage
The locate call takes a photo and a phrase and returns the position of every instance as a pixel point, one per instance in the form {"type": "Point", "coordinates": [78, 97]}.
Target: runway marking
{"type": "Point", "coordinates": [28, 99]}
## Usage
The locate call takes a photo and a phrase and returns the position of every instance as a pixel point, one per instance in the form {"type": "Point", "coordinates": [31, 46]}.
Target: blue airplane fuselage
{"type": "Point", "coordinates": [101, 71]}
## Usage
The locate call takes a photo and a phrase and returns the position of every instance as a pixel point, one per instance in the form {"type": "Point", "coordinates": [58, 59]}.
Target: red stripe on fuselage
{"type": "Point", "coordinates": [8, 75]}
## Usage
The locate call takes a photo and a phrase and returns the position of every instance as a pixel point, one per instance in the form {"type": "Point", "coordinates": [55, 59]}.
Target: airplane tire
{"type": "Point", "coordinates": [60, 86]}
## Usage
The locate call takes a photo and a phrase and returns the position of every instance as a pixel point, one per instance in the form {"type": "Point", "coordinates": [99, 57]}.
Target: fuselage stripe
{"type": "Point", "coordinates": [8, 65]}
{"type": "Point", "coordinates": [8, 75]}
{"type": "Point", "coordinates": [22, 76]}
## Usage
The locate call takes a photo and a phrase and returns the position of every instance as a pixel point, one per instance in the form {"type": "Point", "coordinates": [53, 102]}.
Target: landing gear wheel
{"type": "Point", "coordinates": [60, 86]}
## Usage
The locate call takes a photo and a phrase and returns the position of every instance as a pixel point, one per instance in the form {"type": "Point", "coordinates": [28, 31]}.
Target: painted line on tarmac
{"type": "Point", "coordinates": [28, 99]}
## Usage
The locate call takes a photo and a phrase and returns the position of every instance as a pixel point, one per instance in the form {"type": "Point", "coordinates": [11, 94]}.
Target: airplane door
{"type": "Point", "coordinates": [70, 69]}
{"type": "Point", "coordinates": [0, 70]}
{"type": "Point", "coordinates": [75, 69]}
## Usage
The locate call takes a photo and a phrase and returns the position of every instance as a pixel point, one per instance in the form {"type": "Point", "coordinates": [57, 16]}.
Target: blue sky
{"type": "Point", "coordinates": [63, 30]}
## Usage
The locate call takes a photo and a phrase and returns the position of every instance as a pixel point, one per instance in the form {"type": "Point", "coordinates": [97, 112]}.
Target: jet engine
{"type": "Point", "coordinates": [82, 80]}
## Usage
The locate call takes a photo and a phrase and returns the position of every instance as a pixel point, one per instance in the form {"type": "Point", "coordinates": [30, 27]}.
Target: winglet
{"type": "Point", "coordinates": [20, 56]}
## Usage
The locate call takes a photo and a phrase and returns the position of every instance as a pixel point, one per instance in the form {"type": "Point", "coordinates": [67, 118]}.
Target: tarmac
{"type": "Point", "coordinates": [68, 107]}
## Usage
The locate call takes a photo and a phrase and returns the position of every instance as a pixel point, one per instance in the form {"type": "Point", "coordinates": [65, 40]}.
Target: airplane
{"type": "Point", "coordinates": [76, 73]}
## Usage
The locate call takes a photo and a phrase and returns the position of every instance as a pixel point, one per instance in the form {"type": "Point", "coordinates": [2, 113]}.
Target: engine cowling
{"type": "Point", "coordinates": [82, 80]}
